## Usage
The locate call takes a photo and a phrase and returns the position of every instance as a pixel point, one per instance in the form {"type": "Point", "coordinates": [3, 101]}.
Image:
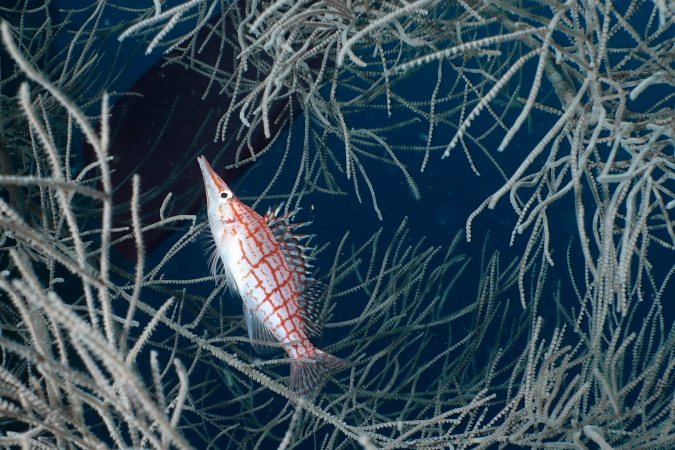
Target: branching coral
{"type": "Point", "coordinates": [429, 373]}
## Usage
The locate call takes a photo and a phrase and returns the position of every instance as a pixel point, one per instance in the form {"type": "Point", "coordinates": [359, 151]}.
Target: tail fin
{"type": "Point", "coordinates": [308, 377]}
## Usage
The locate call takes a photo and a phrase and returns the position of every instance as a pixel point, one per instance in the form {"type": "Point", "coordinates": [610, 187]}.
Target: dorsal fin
{"type": "Point", "coordinates": [310, 304]}
{"type": "Point", "coordinates": [298, 256]}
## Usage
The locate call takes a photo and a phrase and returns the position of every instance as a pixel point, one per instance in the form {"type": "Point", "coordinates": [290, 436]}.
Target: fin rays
{"type": "Point", "coordinates": [308, 377]}
{"type": "Point", "coordinates": [217, 268]}
{"type": "Point", "coordinates": [258, 333]}
{"type": "Point", "coordinates": [298, 257]}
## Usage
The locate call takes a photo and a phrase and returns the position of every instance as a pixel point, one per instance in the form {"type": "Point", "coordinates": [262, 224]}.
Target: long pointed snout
{"type": "Point", "coordinates": [212, 182]}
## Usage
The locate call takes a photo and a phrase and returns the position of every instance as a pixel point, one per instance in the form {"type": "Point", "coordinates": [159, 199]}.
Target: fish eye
{"type": "Point", "coordinates": [224, 196]}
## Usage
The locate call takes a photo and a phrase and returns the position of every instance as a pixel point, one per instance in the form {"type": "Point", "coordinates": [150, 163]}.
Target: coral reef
{"type": "Point", "coordinates": [101, 353]}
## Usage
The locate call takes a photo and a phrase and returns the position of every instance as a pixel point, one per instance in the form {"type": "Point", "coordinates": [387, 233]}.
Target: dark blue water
{"type": "Point", "coordinates": [449, 187]}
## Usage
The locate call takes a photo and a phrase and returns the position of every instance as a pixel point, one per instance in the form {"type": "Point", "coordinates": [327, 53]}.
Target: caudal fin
{"type": "Point", "coordinates": [308, 377]}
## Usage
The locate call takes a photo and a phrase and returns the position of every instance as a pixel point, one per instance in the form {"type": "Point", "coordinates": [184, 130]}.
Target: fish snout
{"type": "Point", "coordinates": [212, 182]}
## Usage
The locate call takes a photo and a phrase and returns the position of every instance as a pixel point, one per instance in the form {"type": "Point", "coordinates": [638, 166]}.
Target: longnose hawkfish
{"type": "Point", "coordinates": [264, 262]}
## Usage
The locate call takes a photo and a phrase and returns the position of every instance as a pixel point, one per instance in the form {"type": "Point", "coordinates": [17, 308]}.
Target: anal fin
{"type": "Point", "coordinates": [259, 334]}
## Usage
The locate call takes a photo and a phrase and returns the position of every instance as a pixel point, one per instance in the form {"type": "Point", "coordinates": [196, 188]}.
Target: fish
{"type": "Point", "coordinates": [263, 261]}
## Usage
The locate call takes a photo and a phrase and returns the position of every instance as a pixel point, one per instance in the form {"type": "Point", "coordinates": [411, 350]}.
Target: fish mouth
{"type": "Point", "coordinates": [211, 179]}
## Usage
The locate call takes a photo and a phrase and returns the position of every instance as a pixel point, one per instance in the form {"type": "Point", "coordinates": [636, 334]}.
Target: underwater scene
{"type": "Point", "coordinates": [337, 224]}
